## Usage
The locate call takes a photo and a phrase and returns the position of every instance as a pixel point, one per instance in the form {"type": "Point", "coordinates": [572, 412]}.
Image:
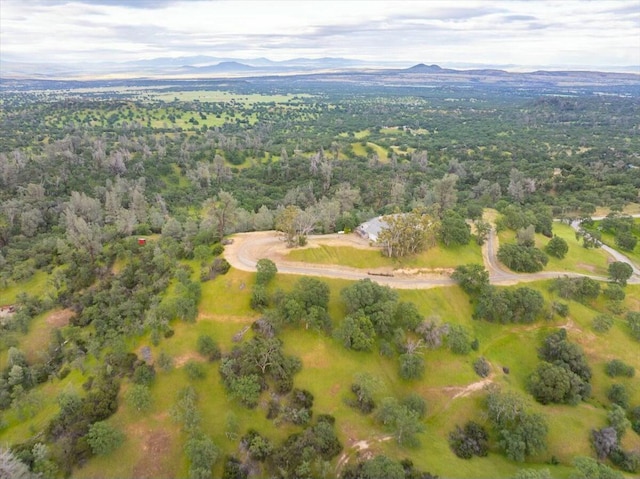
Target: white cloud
{"type": "Point", "coordinates": [498, 32]}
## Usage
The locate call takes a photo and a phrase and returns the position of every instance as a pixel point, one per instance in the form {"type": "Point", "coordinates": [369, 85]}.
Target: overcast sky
{"type": "Point", "coordinates": [557, 33]}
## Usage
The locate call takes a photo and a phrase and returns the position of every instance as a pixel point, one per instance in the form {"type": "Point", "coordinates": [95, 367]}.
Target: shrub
{"type": "Point", "coordinates": [604, 441]}
{"type": "Point", "coordinates": [411, 366]}
{"type": "Point", "coordinates": [104, 438]}
{"type": "Point", "coordinates": [614, 292]}
{"type": "Point", "coordinates": [524, 259]}
{"type": "Point", "coordinates": [628, 461]}
{"type": "Point", "coordinates": [562, 309]}
{"type": "Point", "coordinates": [415, 403]}
{"type": "Point", "coordinates": [602, 323]}
{"type": "Point", "coordinates": [144, 374]}
{"type": "Point", "coordinates": [472, 440]}
{"type": "Point", "coordinates": [208, 347]}
{"type": "Point", "coordinates": [633, 322]}
{"type": "Point", "coordinates": [615, 368]}
{"type": "Point", "coordinates": [618, 394]}
{"type": "Point", "coordinates": [557, 247]}
{"type": "Point", "coordinates": [634, 417]}
{"type": "Point", "coordinates": [458, 340]}
{"type": "Point", "coordinates": [165, 361]}
{"type": "Point", "coordinates": [265, 271]}
{"type": "Point", "coordinates": [195, 370]}
{"type": "Point", "coordinates": [482, 367]}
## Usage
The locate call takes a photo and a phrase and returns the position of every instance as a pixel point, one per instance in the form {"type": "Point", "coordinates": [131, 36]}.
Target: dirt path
{"type": "Point", "coordinates": [359, 449]}
{"type": "Point", "coordinates": [248, 248]}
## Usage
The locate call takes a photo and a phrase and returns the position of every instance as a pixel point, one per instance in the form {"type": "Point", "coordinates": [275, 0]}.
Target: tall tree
{"type": "Point", "coordinates": [406, 234]}
{"type": "Point", "coordinates": [223, 210]}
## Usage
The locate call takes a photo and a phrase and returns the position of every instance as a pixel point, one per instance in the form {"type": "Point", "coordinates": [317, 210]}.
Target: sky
{"type": "Point", "coordinates": [557, 33]}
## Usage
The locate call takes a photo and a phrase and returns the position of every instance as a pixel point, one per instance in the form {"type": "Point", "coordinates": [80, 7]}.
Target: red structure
{"type": "Point", "coordinates": [142, 241]}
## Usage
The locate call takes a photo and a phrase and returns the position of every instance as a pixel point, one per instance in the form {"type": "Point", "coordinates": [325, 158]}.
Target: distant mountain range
{"type": "Point", "coordinates": [181, 67]}
{"type": "Point", "coordinates": [336, 69]}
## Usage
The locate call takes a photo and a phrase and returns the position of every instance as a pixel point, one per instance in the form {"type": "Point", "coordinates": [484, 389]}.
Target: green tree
{"type": "Point", "coordinates": [618, 394]}
{"type": "Point", "coordinates": [472, 278]}
{"type": "Point", "coordinates": [401, 421]}
{"type": "Point", "coordinates": [520, 434]}
{"type": "Point", "coordinates": [525, 259]}
{"type": "Point", "coordinates": [202, 453]}
{"type": "Point", "coordinates": [555, 384]}
{"type": "Point", "coordinates": [407, 234]}
{"type": "Point", "coordinates": [139, 397]}
{"type": "Point", "coordinates": [616, 367]}
{"type": "Point", "coordinates": [617, 418]}
{"type": "Point", "coordinates": [458, 340]}
{"type": "Point", "coordinates": [411, 366]}
{"type": "Point", "coordinates": [208, 347]}
{"type": "Point", "coordinates": [483, 228]}
{"type": "Point", "coordinates": [633, 323]}
{"type": "Point", "coordinates": [454, 230]}
{"type": "Point", "coordinates": [265, 271]}
{"type": "Point", "coordinates": [472, 440]}
{"type": "Point", "coordinates": [379, 467]}
{"type": "Point", "coordinates": [620, 272]}
{"type": "Point", "coordinates": [104, 438]}
{"type": "Point", "coordinates": [295, 224]}
{"type": "Point", "coordinates": [589, 468]}
{"type": "Point", "coordinates": [626, 240]}
{"type": "Point", "coordinates": [526, 236]}
{"type": "Point", "coordinates": [223, 212]}
{"type": "Point", "coordinates": [557, 247]}
{"type": "Point", "coordinates": [356, 332]}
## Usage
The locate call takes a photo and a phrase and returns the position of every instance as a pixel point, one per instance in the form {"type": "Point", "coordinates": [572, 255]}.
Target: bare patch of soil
{"type": "Point", "coordinates": [154, 451]}
{"type": "Point", "coordinates": [60, 318]}
{"type": "Point", "coordinates": [334, 389]}
{"type": "Point", "coordinates": [588, 267]}
{"type": "Point", "coordinates": [359, 450]}
{"type": "Point", "coordinates": [473, 387]}
{"type": "Point", "coordinates": [224, 318]}
{"type": "Point", "coordinates": [424, 271]}
{"type": "Point", "coordinates": [180, 361]}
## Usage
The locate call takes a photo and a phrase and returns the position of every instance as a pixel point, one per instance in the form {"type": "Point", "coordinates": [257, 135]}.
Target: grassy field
{"type": "Point", "coordinates": [35, 286]}
{"type": "Point", "coordinates": [154, 442]}
{"type": "Point", "coordinates": [436, 257]}
{"type": "Point", "coordinates": [577, 260]}
{"type": "Point", "coordinates": [610, 240]}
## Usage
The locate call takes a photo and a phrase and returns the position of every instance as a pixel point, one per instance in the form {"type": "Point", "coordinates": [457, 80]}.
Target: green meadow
{"type": "Point", "coordinates": [592, 261]}
{"type": "Point", "coordinates": [439, 256]}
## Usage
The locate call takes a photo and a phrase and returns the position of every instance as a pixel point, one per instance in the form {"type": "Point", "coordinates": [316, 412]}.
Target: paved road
{"type": "Point", "coordinates": [247, 248]}
{"type": "Point", "coordinates": [575, 224]}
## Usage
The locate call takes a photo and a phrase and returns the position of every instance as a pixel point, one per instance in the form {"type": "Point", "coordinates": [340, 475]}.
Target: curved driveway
{"type": "Point", "coordinates": [248, 248]}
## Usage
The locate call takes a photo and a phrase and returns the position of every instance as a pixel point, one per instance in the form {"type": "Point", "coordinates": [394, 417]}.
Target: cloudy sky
{"type": "Point", "coordinates": [559, 33]}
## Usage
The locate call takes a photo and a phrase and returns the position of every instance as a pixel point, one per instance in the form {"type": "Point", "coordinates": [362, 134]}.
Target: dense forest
{"type": "Point", "coordinates": [117, 203]}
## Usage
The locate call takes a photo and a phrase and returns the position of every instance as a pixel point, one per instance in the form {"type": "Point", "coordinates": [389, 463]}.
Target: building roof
{"type": "Point", "coordinates": [371, 229]}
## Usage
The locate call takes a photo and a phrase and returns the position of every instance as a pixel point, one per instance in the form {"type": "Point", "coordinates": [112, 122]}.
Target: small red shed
{"type": "Point", "coordinates": [142, 241]}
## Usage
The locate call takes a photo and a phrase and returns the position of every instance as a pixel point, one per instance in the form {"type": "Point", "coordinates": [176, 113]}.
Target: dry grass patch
{"type": "Point", "coordinates": [59, 318]}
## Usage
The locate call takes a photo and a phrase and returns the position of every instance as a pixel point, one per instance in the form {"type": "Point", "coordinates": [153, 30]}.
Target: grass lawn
{"type": "Point", "coordinates": [34, 286]}
{"type": "Point", "coordinates": [610, 240]}
{"type": "Point", "coordinates": [578, 259]}
{"type": "Point", "coordinates": [436, 257]}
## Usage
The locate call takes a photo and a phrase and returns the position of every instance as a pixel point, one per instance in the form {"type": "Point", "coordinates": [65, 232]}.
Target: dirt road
{"type": "Point", "coordinates": [248, 248]}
